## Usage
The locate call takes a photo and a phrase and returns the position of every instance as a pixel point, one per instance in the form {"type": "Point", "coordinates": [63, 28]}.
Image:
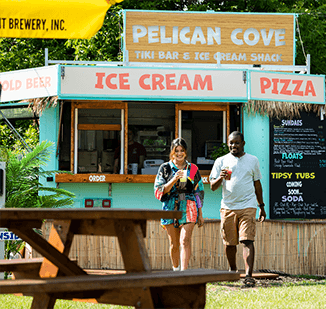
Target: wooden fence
{"type": "Point", "coordinates": [294, 247]}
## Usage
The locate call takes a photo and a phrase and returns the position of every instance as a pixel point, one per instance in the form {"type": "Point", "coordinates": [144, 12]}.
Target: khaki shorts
{"type": "Point", "coordinates": [238, 225]}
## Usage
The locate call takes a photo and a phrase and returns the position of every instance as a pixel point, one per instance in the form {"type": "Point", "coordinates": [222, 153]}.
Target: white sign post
{"type": "Point", "coordinates": [2, 205]}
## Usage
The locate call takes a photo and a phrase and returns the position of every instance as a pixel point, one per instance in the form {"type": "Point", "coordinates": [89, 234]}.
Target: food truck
{"type": "Point", "coordinates": [196, 75]}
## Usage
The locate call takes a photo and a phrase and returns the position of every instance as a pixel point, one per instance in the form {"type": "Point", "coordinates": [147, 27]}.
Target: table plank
{"type": "Point", "coordinates": [103, 227]}
{"type": "Point", "coordinates": [20, 264]}
{"type": "Point", "coordinates": [132, 246]}
{"type": "Point", "coordinates": [11, 223]}
{"type": "Point", "coordinates": [60, 238]}
{"type": "Point", "coordinates": [84, 213]}
{"type": "Point", "coordinates": [105, 282]}
{"type": "Point", "coordinates": [43, 300]}
{"type": "Point", "coordinates": [48, 251]}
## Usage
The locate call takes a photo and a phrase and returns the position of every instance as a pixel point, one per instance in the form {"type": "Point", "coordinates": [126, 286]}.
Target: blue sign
{"type": "Point", "coordinates": [8, 236]}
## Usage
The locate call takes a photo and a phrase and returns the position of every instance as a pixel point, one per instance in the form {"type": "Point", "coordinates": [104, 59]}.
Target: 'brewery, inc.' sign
{"type": "Point", "coordinates": [197, 37]}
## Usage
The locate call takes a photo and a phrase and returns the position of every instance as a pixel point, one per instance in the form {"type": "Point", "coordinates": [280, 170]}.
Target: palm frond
{"type": "Point", "coordinates": [23, 185]}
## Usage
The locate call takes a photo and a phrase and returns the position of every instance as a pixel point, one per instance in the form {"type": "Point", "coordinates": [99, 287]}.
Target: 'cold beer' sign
{"type": "Point", "coordinates": [197, 37]}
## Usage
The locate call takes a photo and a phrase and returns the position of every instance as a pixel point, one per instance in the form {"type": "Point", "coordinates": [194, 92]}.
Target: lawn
{"type": "Point", "coordinates": [304, 294]}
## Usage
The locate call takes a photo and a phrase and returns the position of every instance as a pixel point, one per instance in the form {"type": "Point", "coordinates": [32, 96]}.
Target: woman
{"type": "Point", "coordinates": [177, 194]}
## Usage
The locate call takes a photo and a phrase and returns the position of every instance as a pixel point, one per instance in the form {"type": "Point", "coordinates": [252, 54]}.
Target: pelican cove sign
{"type": "Point", "coordinates": [197, 37]}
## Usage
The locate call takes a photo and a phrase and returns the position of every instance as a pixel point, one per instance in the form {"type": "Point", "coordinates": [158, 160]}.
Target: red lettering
{"type": "Point", "coordinates": [108, 81]}
{"type": "Point", "coordinates": [41, 82]}
{"type": "Point", "coordinates": [29, 83]}
{"type": "Point", "coordinates": [297, 84]}
{"type": "Point", "coordinates": [142, 82]}
{"type": "Point", "coordinates": [199, 81]}
{"type": "Point", "coordinates": [184, 82]}
{"type": "Point", "coordinates": [18, 84]}
{"type": "Point", "coordinates": [275, 83]}
{"type": "Point", "coordinates": [286, 83]}
{"type": "Point", "coordinates": [170, 82]}
{"type": "Point", "coordinates": [5, 85]}
{"type": "Point", "coordinates": [47, 81]}
{"type": "Point", "coordinates": [12, 85]}
{"type": "Point", "coordinates": [265, 83]}
{"type": "Point", "coordinates": [157, 80]}
{"type": "Point", "coordinates": [35, 82]}
{"type": "Point", "coordinates": [310, 88]}
{"type": "Point", "coordinates": [123, 80]}
{"type": "Point", "coordinates": [99, 83]}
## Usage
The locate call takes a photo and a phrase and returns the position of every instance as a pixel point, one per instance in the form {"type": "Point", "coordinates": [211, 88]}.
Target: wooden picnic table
{"type": "Point", "coordinates": [57, 276]}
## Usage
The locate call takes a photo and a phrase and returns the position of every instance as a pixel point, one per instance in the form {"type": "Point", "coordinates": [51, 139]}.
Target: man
{"type": "Point", "coordinates": [136, 153]}
{"type": "Point", "coordinates": [239, 174]}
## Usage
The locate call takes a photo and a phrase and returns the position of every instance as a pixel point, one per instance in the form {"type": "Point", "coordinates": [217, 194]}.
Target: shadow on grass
{"type": "Point", "coordinates": [268, 283]}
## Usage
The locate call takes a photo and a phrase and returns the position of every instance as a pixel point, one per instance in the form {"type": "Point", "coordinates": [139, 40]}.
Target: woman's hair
{"type": "Point", "coordinates": [178, 142]}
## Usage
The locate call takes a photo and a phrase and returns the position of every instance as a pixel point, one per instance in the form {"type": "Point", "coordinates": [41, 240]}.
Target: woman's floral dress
{"type": "Point", "coordinates": [184, 196]}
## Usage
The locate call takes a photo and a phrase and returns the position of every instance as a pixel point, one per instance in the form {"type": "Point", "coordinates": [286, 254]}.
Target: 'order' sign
{"type": "Point", "coordinates": [196, 37]}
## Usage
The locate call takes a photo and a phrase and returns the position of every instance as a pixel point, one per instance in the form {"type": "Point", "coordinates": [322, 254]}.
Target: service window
{"type": "Point", "coordinates": [153, 127]}
{"type": "Point", "coordinates": [98, 138]}
{"type": "Point", "coordinates": [205, 128]}
{"type": "Point", "coordinates": [90, 133]}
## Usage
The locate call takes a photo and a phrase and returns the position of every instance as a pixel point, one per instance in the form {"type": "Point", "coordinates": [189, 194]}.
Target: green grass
{"type": "Point", "coordinates": [290, 295]}
{"type": "Point", "coordinates": [305, 294]}
{"type": "Point", "coordinates": [8, 301]}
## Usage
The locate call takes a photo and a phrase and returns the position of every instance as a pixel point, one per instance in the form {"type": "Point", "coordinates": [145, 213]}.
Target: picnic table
{"type": "Point", "coordinates": [56, 276]}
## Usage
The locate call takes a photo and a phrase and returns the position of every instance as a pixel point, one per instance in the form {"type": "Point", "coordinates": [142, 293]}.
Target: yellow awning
{"type": "Point", "coordinates": [53, 19]}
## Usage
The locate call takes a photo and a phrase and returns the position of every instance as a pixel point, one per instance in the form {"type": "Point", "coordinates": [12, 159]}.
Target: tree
{"type": "Point", "coordinates": [312, 38]}
{"type": "Point", "coordinates": [105, 45]}
{"type": "Point", "coordinates": [26, 128]}
{"type": "Point", "coordinates": [23, 173]}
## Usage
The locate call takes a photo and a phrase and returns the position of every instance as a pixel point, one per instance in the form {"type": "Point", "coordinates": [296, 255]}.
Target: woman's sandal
{"type": "Point", "coordinates": [249, 282]}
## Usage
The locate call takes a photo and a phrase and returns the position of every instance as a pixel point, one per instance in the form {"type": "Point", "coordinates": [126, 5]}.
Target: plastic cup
{"type": "Point", "coordinates": [184, 177]}
{"type": "Point", "coordinates": [228, 177]}
{"type": "Point", "coordinates": [133, 167]}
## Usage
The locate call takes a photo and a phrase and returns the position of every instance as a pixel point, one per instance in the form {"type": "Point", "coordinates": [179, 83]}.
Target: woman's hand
{"type": "Point", "coordinates": [200, 221]}
{"type": "Point", "coordinates": [170, 184]}
{"type": "Point", "coordinates": [177, 175]}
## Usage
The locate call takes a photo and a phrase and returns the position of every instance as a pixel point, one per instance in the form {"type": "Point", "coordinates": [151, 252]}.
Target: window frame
{"type": "Point", "coordinates": [225, 108]}
{"type": "Point", "coordinates": [124, 177]}
{"type": "Point", "coordinates": [75, 127]}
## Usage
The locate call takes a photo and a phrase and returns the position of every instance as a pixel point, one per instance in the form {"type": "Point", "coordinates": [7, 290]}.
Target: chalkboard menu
{"type": "Point", "coordinates": [298, 167]}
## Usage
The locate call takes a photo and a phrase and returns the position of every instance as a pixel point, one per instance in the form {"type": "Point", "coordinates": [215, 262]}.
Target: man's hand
{"type": "Point", "coordinates": [262, 214]}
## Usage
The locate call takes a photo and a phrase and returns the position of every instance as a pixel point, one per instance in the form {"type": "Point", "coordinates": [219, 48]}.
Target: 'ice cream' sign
{"type": "Point", "coordinates": [144, 83]}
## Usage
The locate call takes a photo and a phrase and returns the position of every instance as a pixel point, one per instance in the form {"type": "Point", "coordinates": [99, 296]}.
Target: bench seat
{"type": "Point", "coordinates": [20, 265]}
{"type": "Point", "coordinates": [170, 289]}
{"type": "Point", "coordinates": [22, 268]}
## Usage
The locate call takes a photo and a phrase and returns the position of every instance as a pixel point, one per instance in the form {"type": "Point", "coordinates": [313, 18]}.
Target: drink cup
{"type": "Point", "coordinates": [228, 177]}
{"type": "Point", "coordinates": [133, 167]}
{"type": "Point", "coordinates": [184, 176]}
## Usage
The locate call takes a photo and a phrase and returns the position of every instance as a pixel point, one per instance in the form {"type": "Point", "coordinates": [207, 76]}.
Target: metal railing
{"type": "Point", "coordinates": [285, 68]}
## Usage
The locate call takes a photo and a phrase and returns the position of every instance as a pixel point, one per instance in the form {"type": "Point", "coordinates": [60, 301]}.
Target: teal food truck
{"type": "Point", "coordinates": [184, 74]}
